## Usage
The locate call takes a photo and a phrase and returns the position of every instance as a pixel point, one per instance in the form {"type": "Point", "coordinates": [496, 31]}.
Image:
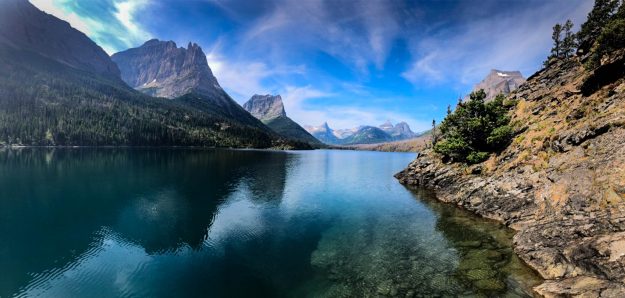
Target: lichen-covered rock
{"type": "Point", "coordinates": [560, 183]}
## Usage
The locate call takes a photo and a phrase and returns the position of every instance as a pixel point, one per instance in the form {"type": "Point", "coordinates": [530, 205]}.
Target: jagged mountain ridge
{"type": "Point", "coordinates": [270, 110]}
{"type": "Point", "coordinates": [364, 134]}
{"type": "Point", "coordinates": [71, 93]}
{"type": "Point", "coordinates": [400, 131]}
{"type": "Point", "coordinates": [161, 68]}
{"type": "Point", "coordinates": [499, 82]}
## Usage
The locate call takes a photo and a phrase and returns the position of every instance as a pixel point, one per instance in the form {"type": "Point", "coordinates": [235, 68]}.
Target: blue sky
{"type": "Point", "coordinates": [347, 62]}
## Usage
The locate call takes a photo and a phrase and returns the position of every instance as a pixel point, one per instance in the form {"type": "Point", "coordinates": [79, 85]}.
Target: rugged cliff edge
{"type": "Point", "coordinates": [560, 183]}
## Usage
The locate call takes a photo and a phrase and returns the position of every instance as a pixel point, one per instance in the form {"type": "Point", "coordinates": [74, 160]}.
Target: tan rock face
{"type": "Point", "coordinates": [265, 107]}
{"type": "Point", "coordinates": [499, 82]}
{"type": "Point", "coordinates": [560, 183]}
{"type": "Point", "coordinates": [162, 69]}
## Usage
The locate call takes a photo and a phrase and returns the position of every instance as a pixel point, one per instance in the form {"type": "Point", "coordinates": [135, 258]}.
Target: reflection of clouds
{"type": "Point", "coordinates": [238, 218]}
{"type": "Point", "coordinates": [156, 220]}
{"type": "Point", "coordinates": [109, 267]}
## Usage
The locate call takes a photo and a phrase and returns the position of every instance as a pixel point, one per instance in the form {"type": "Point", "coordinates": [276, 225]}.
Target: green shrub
{"type": "Point", "coordinates": [475, 129]}
{"type": "Point", "coordinates": [477, 157]}
{"type": "Point", "coordinates": [500, 136]}
{"type": "Point", "coordinates": [453, 147]}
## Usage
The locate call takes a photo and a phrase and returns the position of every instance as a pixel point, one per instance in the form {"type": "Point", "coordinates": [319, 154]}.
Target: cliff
{"type": "Point", "coordinates": [162, 69]}
{"type": "Point", "coordinates": [265, 107]}
{"type": "Point", "coordinates": [499, 82]}
{"type": "Point", "coordinates": [561, 181]}
{"type": "Point", "coordinates": [270, 110]}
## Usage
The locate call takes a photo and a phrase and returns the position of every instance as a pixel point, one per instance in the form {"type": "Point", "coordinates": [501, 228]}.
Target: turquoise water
{"type": "Point", "coordinates": [238, 223]}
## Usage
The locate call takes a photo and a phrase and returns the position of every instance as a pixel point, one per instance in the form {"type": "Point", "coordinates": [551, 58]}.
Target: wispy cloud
{"type": "Point", "coordinates": [346, 62]}
{"type": "Point", "coordinates": [114, 29]}
{"type": "Point", "coordinates": [359, 33]}
{"type": "Point", "coordinates": [242, 79]}
{"type": "Point", "coordinates": [300, 106]}
{"type": "Point", "coordinates": [464, 53]}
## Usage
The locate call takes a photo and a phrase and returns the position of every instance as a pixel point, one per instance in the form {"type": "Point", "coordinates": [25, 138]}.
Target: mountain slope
{"type": "Point", "coordinates": [71, 94]}
{"type": "Point", "coordinates": [24, 27]}
{"type": "Point", "coordinates": [323, 133]}
{"type": "Point", "coordinates": [270, 110]}
{"type": "Point", "coordinates": [561, 181]}
{"type": "Point", "coordinates": [387, 132]}
{"type": "Point", "coordinates": [367, 135]}
{"type": "Point", "coordinates": [160, 68]}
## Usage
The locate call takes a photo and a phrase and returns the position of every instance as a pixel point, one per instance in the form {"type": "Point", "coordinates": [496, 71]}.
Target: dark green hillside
{"type": "Point", "coordinates": [44, 102]}
{"type": "Point", "coordinates": [284, 126]}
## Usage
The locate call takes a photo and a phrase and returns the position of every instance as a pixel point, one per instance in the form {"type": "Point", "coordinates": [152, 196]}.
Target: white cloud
{"type": "Point", "coordinates": [125, 14]}
{"type": "Point", "coordinates": [466, 53]}
{"type": "Point", "coordinates": [56, 8]}
{"type": "Point", "coordinates": [242, 79]}
{"type": "Point", "coordinates": [124, 28]}
{"type": "Point", "coordinates": [359, 39]}
{"type": "Point", "coordinates": [298, 107]}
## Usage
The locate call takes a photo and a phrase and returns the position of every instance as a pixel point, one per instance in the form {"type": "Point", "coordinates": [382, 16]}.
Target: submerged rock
{"type": "Point", "coordinates": [560, 183]}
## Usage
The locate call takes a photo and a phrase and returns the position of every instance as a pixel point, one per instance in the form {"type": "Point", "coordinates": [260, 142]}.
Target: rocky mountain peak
{"type": "Point", "coordinates": [160, 68]}
{"type": "Point", "coordinates": [265, 107]}
{"type": "Point", "coordinates": [326, 126]}
{"type": "Point", "coordinates": [499, 81]}
{"type": "Point", "coordinates": [386, 125]}
{"type": "Point", "coordinates": [400, 131]}
{"type": "Point", "coordinates": [25, 27]}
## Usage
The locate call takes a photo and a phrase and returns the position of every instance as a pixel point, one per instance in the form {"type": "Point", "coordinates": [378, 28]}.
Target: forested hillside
{"type": "Point", "coordinates": [44, 102]}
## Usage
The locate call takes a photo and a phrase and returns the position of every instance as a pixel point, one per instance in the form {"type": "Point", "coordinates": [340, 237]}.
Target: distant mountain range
{"type": "Point", "coordinates": [58, 87]}
{"type": "Point", "coordinates": [499, 82]}
{"type": "Point", "coordinates": [386, 132]}
{"type": "Point", "coordinates": [270, 110]}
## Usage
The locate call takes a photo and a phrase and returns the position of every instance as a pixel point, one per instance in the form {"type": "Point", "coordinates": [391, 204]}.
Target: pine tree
{"type": "Point", "coordinates": [600, 15]}
{"type": "Point", "coordinates": [434, 135]}
{"type": "Point", "coordinates": [610, 39]}
{"type": "Point", "coordinates": [568, 43]}
{"type": "Point", "coordinates": [556, 36]}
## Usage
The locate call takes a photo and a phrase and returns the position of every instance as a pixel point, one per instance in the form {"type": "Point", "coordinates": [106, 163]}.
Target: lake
{"type": "Point", "coordinates": [238, 223]}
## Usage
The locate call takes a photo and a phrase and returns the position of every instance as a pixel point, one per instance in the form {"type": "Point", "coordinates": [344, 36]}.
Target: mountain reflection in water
{"type": "Point", "coordinates": [224, 223]}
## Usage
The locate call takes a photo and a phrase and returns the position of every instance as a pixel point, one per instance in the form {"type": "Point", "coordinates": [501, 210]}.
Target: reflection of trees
{"type": "Point", "coordinates": [52, 202]}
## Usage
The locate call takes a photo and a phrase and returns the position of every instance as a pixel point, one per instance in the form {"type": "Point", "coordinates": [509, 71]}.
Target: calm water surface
{"type": "Point", "coordinates": [226, 223]}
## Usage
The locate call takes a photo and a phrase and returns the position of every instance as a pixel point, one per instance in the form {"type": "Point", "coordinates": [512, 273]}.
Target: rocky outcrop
{"type": "Point", "coordinates": [499, 82]}
{"type": "Point", "coordinates": [270, 110]}
{"type": "Point", "coordinates": [162, 69]}
{"type": "Point", "coordinates": [265, 107]}
{"type": "Point", "coordinates": [560, 183]}
{"type": "Point", "coordinates": [400, 131]}
{"type": "Point", "coordinates": [24, 27]}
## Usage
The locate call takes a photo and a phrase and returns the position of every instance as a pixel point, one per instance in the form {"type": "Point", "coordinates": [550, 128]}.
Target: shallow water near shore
{"type": "Point", "coordinates": [238, 223]}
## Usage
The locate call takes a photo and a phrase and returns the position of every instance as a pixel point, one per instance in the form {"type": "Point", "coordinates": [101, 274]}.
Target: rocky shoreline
{"type": "Point", "coordinates": [560, 183]}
